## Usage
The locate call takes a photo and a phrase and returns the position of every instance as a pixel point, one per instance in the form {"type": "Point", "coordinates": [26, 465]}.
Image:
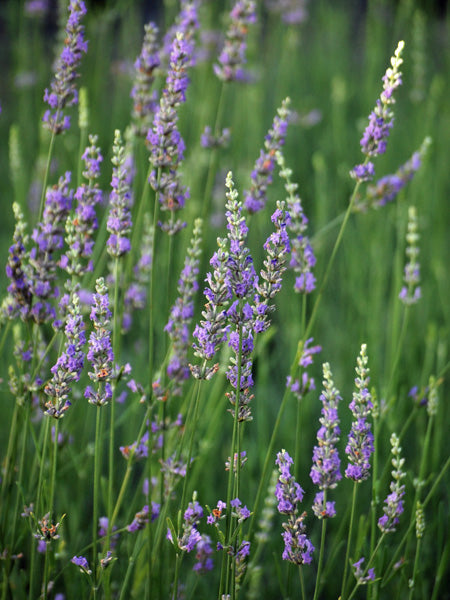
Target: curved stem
{"type": "Point", "coordinates": [349, 539]}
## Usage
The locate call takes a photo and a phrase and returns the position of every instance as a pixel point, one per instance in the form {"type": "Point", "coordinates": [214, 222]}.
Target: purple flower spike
{"type": "Point", "coordinates": [63, 91]}
{"type": "Point", "coordinates": [182, 312]}
{"type": "Point", "coordinates": [144, 100]}
{"type": "Point", "coordinates": [361, 576]}
{"type": "Point", "coordinates": [381, 119]}
{"type": "Point", "coordinates": [325, 471]}
{"type": "Point", "coordinates": [81, 562]}
{"type": "Point", "coordinates": [256, 197]}
{"type": "Point", "coordinates": [298, 548]}
{"type": "Point", "coordinates": [18, 301]}
{"type": "Point", "coordinates": [119, 219]}
{"type": "Point", "coordinates": [232, 58]}
{"type": "Point", "coordinates": [69, 365]}
{"type": "Point", "coordinates": [165, 142]}
{"type": "Point", "coordinates": [100, 353]}
{"type": "Point", "coordinates": [394, 502]}
{"type": "Point", "coordinates": [360, 439]}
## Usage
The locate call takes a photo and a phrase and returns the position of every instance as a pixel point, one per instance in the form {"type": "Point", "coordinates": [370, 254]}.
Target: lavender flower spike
{"type": "Point", "coordinates": [255, 198]}
{"type": "Point", "coordinates": [381, 119]}
{"type": "Point", "coordinates": [394, 503]}
{"type": "Point", "coordinates": [410, 292]}
{"type": "Point", "coordinates": [325, 471]}
{"type": "Point", "coordinates": [100, 353]}
{"type": "Point", "coordinates": [360, 439]}
{"type": "Point", "coordinates": [182, 312]}
{"type": "Point", "coordinates": [119, 219]}
{"type": "Point", "coordinates": [232, 58]}
{"type": "Point", "coordinates": [69, 365]}
{"type": "Point", "coordinates": [297, 547]}
{"type": "Point", "coordinates": [63, 91]}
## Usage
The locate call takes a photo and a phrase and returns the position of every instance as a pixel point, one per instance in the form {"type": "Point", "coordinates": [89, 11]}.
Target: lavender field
{"type": "Point", "coordinates": [224, 308]}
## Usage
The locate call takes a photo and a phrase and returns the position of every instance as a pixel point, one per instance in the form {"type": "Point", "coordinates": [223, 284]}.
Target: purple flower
{"type": "Point", "coordinates": [394, 501]}
{"type": "Point", "coordinates": [63, 91]}
{"type": "Point", "coordinates": [293, 12]}
{"type": "Point", "coordinates": [325, 471]}
{"type": "Point", "coordinates": [142, 517]}
{"type": "Point", "coordinates": [69, 365]}
{"type": "Point", "coordinates": [361, 576]}
{"type": "Point", "coordinates": [186, 23]}
{"type": "Point", "coordinates": [81, 562]}
{"type": "Point", "coordinates": [297, 547]}
{"type": "Point", "coordinates": [232, 58]}
{"type": "Point", "coordinates": [191, 536]}
{"type": "Point", "coordinates": [381, 119]}
{"type": "Point", "coordinates": [209, 140]}
{"type": "Point", "coordinates": [411, 292]}
{"type": "Point", "coordinates": [165, 142]}
{"type": "Point", "coordinates": [182, 312]}
{"type": "Point", "coordinates": [80, 228]}
{"type": "Point", "coordinates": [307, 383]}
{"type": "Point", "coordinates": [360, 439]}
{"type": "Point", "coordinates": [144, 101]}
{"type": "Point", "coordinates": [100, 353]}
{"type": "Point", "coordinates": [203, 552]}
{"type": "Point", "coordinates": [18, 301]}
{"type": "Point", "coordinates": [119, 219]}
{"type": "Point", "coordinates": [256, 197]}
{"type": "Point", "coordinates": [302, 255]}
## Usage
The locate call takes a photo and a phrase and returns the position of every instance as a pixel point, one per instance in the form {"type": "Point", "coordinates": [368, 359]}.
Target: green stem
{"type": "Point", "coordinates": [349, 539]}
{"type": "Point", "coordinates": [322, 551]}
{"type": "Point", "coordinates": [97, 455]}
{"type": "Point", "coordinates": [47, 171]}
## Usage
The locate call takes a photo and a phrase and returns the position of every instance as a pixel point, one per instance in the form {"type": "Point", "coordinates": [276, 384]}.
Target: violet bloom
{"type": "Point", "coordinates": [325, 471]}
{"type": "Point", "coordinates": [411, 292]}
{"type": "Point", "coordinates": [63, 91]}
{"type": "Point", "coordinates": [203, 552]}
{"type": "Point", "coordinates": [381, 119]}
{"type": "Point", "coordinates": [303, 259]}
{"type": "Point", "coordinates": [142, 517]}
{"type": "Point", "coordinates": [209, 140]}
{"type": "Point", "coordinates": [186, 23]}
{"type": "Point", "coordinates": [277, 247]}
{"type": "Point", "coordinates": [232, 58]}
{"type": "Point", "coordinates": [119, 219]}
{"type": "Point", "coordinates": [18, 301]}
{"type": "Point", "coordinates": [182, 312]}
{"type": "Point", "coordinates": [48, 237]}
{"type": "Point", "coordinates": [256, 197]}
{"type": "Point", "coordinates": [69, 365]}
{"type": "Point", "coordinates": [80, 228]}
{"type": "Point", "coordinates": [301, 387]}
{"type": "Point", "coordinates": [100, 353]}
{"type": "Point", "coordinates": [297, 547]}
{"type": "Point", "coordinates": [293, 12]}
{"type": "Point", "coordinates": [360, 439]}
{"type": "Point", "coordinates": [387, 188]}
{"type": "Point", "coordinates": [191, 518]}
{"type": "Point", "coordinates": [144, 100]}
{"type": "Point", "coordinates": [166, 144]}
{"type": "Point", "coordinates": [81, 562]}
{"type": "Point", "coordinates": [394, 502]}
{"type": "Point", "coordinates": [361, 576]}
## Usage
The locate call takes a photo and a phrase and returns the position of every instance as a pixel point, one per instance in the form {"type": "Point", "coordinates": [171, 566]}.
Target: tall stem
{"type": "Point", "coordinates": [349, 539]}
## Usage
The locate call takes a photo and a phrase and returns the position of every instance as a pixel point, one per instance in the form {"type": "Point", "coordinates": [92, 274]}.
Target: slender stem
{"type": "Point", "coordinates": [415, 569]}
{"type": "Point", "coordinates": [47, 171]}
{"type": "Point", "coordinates": [322, 550]}
{"type": "Point", "coordinates": [349, 539]}
{"type": "Point", "coordinates": [53, 473]}
{"type": "Point", "coordinates": [97, 453]}
{"type": "Point", "coordinates": [302, 581]}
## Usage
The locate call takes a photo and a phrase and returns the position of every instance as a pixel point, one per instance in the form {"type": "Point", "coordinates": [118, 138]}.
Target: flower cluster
{"type": "Point", "coordinates": [142, 517]}
{"type": "Point", "coordinates": [80, 228]}
{"type": "Point", "coordinates": [325, 471]}
{"type": "Point", "coordinates": [277, 247]}
{"type": "Point", "coordinates": [191, 536]}
{"type": "Point", "coordinates": [100, 353]}
{"type": "Point", "coordinates": [209, 140]}
{"type": "Point", "coordinates": [48, 237]}
{"type": "Point", "coordinates": [302, 255]}
{"type": "Point", "coordinates": [166, 143]}
{"type": "Point", "coordinates": [81, 561]}
{"type": "Point", "coordinates": [20, 296]}
{"type": "Point", "coordinates": [293, 12]}
{"type": "Point", "coordinates": [387, 188]}
{"type": "Point", "coordinates": [360, 439]}
{"type": "Point", "coordinates": [63, 91]}
{"type": "Point", "coordinates": [261, 176]}
{"type": "Point", "coordinates": [381, 119]}
{"type": "Point", "coordinates": [297, 547]}
{"type": "Point", "coordinates": [119, 218]}
{"type": "Point", "coordinates": [411, 292]}
{"type": "Point", "coordinates": [182, 312]}
{"type": "Point", "coordinates": [186, 22]}
{"type": "Point", "coordinates": [394, 503]}
{"type": "Point", "coordinates": [307, 383]}
{"type": "Point", "coordinates": [69, 365]}
{"type": "Point", "coordinates": [232, 58]}
{"type": "Point", "coordinates": [362, 577]}
{"type": "Point", "coordinates": [144, 101]}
